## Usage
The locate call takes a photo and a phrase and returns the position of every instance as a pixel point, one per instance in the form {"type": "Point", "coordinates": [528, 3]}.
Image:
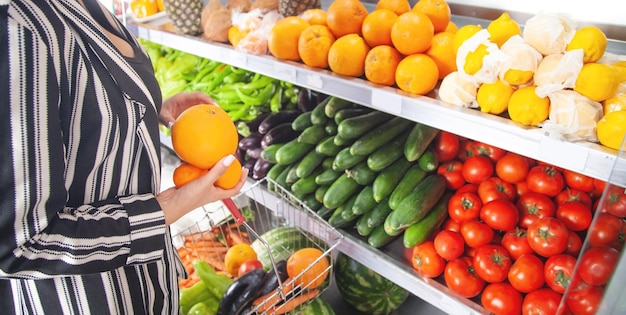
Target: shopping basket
{"type": "Point", "coordinates": [254, 215]}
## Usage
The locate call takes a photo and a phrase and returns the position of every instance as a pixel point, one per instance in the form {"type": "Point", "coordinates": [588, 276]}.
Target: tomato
{"type": "Point", "coordinates": [426, 261]}
{"type": "Point", "coordinates": [502, 299]}
{"type": "Point", "coordinates": [584, 299]}
{"type": "Point", "coordinates": [452, 171]}
{"type": "Point", "coordinates": [545, 179]}
{"type": "Point", "coordinates": [570, 194]}
{"type": "Point", "coordinates": [542, 301]}
{"type": "Point", "coordinates": [249, 265]}
{"type": "Point", "coordinates": [615, 201]}
{"type": "Point", "coordinates": [467, 148]}
{"type": "Point", "coordinates": [526, 273]}
{"type": "Point", "coordinates": [477, 168]}
{"type": "Point", "coordinates": [449, 245]}
{"type": "Point", "coordinates": [532, 206]}
{"type": "Point", "coordinates": [500, 214]}
{"type": "Point", "coordinates": [476, 233]}
{"type": "Point", "coordinates": [575, 215]}
{"type": "Point", "coordinates": [521, 188]}
{"type": "Point", "coordinates": [578, 181]}
{"type": "Point", "coordinates": [548, 236]}
{"type": "Point", "coordinates": [492, 152]}
{"type": "Point", "coordinates": [492, 263]}
{"type": "Point", "coordinates": [574, 244]}
{"type": "Point", "coordinates": [460, 277]}
{"type": "Point", "coordinates": [464, 207]}
{"type": "Point", "coordinates": [451, 225]}
{"type": "Point", "coordinates": [446, 146]}
{"type": "Point", "coordinates": [597, 264]}
{"type": "Point", "coordinates": [512, 168]}
{"type": "Point", "coordinates": [468, 188]}
{"type": "Point", "coordinates": [598, 188]}
{"type": "Point", "coordinates": [558, 271]}
{"type": "Point", "coordinates": [496, 188]}
{"type": "Point", "coordinates": [605, 230]}
{"type": "Point", "coordinates": [516, 243]}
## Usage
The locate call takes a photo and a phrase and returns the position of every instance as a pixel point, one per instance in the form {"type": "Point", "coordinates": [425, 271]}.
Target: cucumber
{"type": "Point", "coordinates": [308, 163]}
{"type": "Point", "coordinates": [312, 134]}
{"type": "Point", "coordinates": [292, 151]}
{"type": "Point", "coordinates": [324, 212]}
{"type": "Point", "coordinates": [378, 238]}
{"type": "Point", "coordinates": [337, 220]}
{"type": "Point", "coordinates": [416, 205]}
{"type": "Point", "coordinates": [369, 142]}
{"type": "Point", "coordinates": [373, 218]}
{"type": "Point", "coordinates": [310, 202]}
{"type": "Point", "coordinates": [318, 117]}
{"type": "Point", "coordinates": [336, 104]}
{"type": "Point", "coordinates": [281, 180]}
{"type": "Point", "coordinates": [327, 177]}
{"type": "Point", "coordinates": [419, 232]}
{"type": "Point", "coordinates": [328, 162]}
{"type": "Point", "coordinates": [320, 191]}
{"type": "Point", "coordinates": [269, 153]}
{"type": "Point", "coordinates": [273, 174]}
{"type": "Point", "coordinates": [409, 181]}
{"type": "Point", "coordinates": [302, 122]}
{"type": "Point", "coordinates": [362, 174]}
{"type": "Point", "coordinates": [339, 191]}
{"type": "Point", "coordinates": [345, 160]}
{"type": "Point", "coordinates": [328, 147]}
{"type": "Point", "coordinates": [305, 185]}
{"type": "Point", "coordinates": [364, 201]}
{"type": "Point", "coordinates": [354, 127]}
{"type": "Point", "coordinates": [361, 226]}
{"type": "Point", "coordinates": [388, 179]}
{"type": "Point", "coordinates": [338, 140]}
{"type": "Point", "coordinates": [331, 127]}
{"type": "Point", "coordinates": [428, 161]}
{"type": "Point", "coordinates": [350, 112]}
{"type": "Point", "coordinates": [347, 213]}
{"type": "Point", "coordinates": [292, 176]}
{"type": "Point", "coordinates": [419, 139]}
{"type": "Point", "coordinates": [387, 153]}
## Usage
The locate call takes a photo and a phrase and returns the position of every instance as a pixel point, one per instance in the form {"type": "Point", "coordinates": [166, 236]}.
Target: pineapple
{"type": "Point", "coordinates": [295, 7]}
{"type": "Point", "coordinates": [185, 15]}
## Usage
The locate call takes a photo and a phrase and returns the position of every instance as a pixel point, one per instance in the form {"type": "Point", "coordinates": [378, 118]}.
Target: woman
{"type": "Point", "coordinates": [83, 229]}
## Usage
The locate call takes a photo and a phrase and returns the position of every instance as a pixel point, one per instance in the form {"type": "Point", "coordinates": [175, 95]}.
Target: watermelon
{"type": "Point", "coordinates": [283, 241]}
{"type": "Point", "coordinates": [317, 306]}
{"type": "Point", "coordinates": [366, 290]}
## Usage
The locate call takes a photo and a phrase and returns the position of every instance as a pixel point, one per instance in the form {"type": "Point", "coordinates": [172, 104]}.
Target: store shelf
{"type": "Point", "coordinates": [584, 157]}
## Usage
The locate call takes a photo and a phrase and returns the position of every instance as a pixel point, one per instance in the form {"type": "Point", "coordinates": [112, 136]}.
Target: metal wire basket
{"type": "Point", "coordinates": [247, 218]}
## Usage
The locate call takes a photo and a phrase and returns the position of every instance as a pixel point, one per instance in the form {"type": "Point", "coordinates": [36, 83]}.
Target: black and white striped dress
{"type": "Point", "coordinates": [80, 229]}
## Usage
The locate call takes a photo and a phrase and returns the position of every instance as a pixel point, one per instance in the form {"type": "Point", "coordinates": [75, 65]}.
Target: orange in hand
{"type": "Point", "coordinates": [186, 172]}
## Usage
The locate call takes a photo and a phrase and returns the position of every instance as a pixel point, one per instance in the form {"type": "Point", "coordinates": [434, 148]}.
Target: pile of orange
{"type": "Point", "coordinates": [201, 136]}
{"type": "Point", "coordinates": [395, 44]}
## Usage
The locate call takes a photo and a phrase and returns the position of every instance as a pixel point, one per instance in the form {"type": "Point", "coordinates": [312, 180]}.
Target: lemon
{"type": "Point", "coordinates": [502, 28]}
{"type": "Point", "coordinates": [474, 60]}
{"type": "Point", "coordinates": [518, 77]}
{"type": "Point", "coordinates": [612, 128]}
{"type": "Point", "coordinates": [597, 81]}
{"type": "Point", "coordinates": [493, 98]}
{"type": "Point", "coordinates": [620, 70]}
{"type": "Point", "coordinates": [527, 108]}
{"type": "Point", "coordinates": [463, 34]}
{"type": "Point", "coordinates": [591, 40]}
{"type": "Point", "coordinates": [616, 103]}
{"type": "Point", "coordinates": [236, 255]}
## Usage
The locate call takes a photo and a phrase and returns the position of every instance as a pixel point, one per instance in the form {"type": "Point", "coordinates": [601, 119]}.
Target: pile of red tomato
{"type": "Point", "coordinates": [515, 232]}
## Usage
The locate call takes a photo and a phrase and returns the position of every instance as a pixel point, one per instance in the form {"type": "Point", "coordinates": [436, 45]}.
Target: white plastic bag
{"type": "Point", "coordinates": [557, 72]}
{"type": "Point", "coordinates": [491, 62]}
{"type": "Point", "coordinates": [572, 116]}
{"type": "Point", "coordinates": [522, 56]}
{"type": "Point", "coordinates": [457, 91]}
{"type": "Point", "coordinates": [549, 33]}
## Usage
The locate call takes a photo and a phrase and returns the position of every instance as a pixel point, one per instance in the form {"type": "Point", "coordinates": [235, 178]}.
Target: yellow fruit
{"type": "Point", "coordinates": [474, 60]}
{"type": "Point", "coordinates": [615, 103]}
{"type": "Point", "coordinates": [452, 28]}
{"type": "Point", "coordinates": [527, 108]}
{"type": "Point", "coordinates": [463, 33]}
{"type": "Point", "coordinates": [493, 98]}
{"type": "Point", "coordinates": [597, 81]}
{"type": "Point", "coordinates": [518, 77]}
{"type": "Point", "coordinates": [417, 74]}
{"type": "Point", "coordinates": [237, 255]}
{"type": "Point", "coordinates": [612, 128]}
{"type": "Point", "coordinates": [502, 28]}
{"type": "Point", "coordinates": [591, 40]}
{"type": "Point", "coordinates": [347, 54]}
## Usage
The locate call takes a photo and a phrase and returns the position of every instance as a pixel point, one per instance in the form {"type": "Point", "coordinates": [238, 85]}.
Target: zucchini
{"type": "Point", "coordinates": [419, 232]}
{"type": "Point", "coordinates": [388, 179]}
{"type": "Point", "coordinates": [336, 104]}
{"type": "Point", "coordinates": [387, 153]}
{"type": "Point", "coordinates": [339, 191]}
{"type": "Point", "coordinates": [364, 201]}
{"type": "Point", "coordinates": [409, 181]}
{"type": "Point", "coordinates": [354, 127]}
{"type": "Point", "coordinates": [416, 205]}
{"type": "Point", "coordinates": [327, 177]}
{"type": "Point", "coordinates": [378, 238]}
{"type": "Point", "coordinates": [269, 152]}
{"type": "Point", "coordinates": [318, 117]}
{"type": "Point", "coordinates": [302, 122]}
{"type": "Point", "coordinates": [419, 139]}
{"type": "Point", "coordinates": [308, 163]}
{"type": "Point", "coordinates": [312, 134]}
{"type": "Point", "coordinates": [362, 174]}
{"type": "Point", "coordinates": [350, 112]}
{"type": "Point", "coordinates": [345, 160]}
{"type": "Point", "coordinates": [292, 151]}
{"type": "Point", "coordinates": [328, 147]}
{"type": "Point", "coordinates": [382, 134]}
{"type": "Point", "coordinates": [428, 161]}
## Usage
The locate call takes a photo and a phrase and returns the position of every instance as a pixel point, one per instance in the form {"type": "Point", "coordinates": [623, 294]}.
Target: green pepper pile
{"type": "Point", "coordinates": [203, 298]}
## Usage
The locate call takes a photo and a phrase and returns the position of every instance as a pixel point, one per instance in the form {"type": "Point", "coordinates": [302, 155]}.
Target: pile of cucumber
{"type": "Point", "coordinates": [358, 167]}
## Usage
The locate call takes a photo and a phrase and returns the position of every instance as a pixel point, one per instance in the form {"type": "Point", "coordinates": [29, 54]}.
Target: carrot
{"type": "Point", "coordinates": [237, 238]}
{"type": "Point", "coordinates": [203, 243]}
{"type": "Point", "coordinates": [275, 297]}
{"type": "Point", "coordinates": [290, 304]}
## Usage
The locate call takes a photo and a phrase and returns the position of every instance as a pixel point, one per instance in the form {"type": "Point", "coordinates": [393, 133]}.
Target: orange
{"type": "Point", "coordinates": [160, 5]}
{"type": "Point", "coordinates": [442, 52]}
{"type": "Point", "coordinates": [417, 74]}
{"type": "Point", "coordinates": [203, 134]}
{"type": "Point", "coordinates": [412, 33]}
{"type": "Point", "coordinates": [144, 8]}
{"type": "Point", "coordinates": [397, 6]}
{"type": "Point", "coordinates": [236, 255]}
{"type": "Point", "coordinates": [380, 64]}
{"type": "Point", "coordinates": [235, 35]}
{"type": "Point", "coordinates": [347, 55]}
{"type": "Point", "coordinates": [314, 16]}
{"type": "Point", "coordinates": [451, 27]}
{"type": "Point", "coordinates": [437, 10]}
{"type": "Point", "coordinates": [314, 44]}
{"type": "Point", "coordinates": [307, 271]}
{"type": "Point", "coordinates": [376, 27]}
{"type": "Point", "coordinates": [345, 17]}
{"type": "Point", "coordinates": [186, 172]}
{"type": "Point", "coordinates": [282, 40]}
{"type": "Point", "coordinates": [231, 177]}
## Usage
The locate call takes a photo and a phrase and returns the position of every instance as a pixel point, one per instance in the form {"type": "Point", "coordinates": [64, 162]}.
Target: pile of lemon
{"type": "Point", "coordinates": [549, 74]}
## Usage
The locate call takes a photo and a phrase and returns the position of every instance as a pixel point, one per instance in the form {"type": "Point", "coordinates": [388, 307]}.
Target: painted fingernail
{"type": "Point", "coordinates": [169, 125]}
{"type": "Point", "coordinates": [229, 160]}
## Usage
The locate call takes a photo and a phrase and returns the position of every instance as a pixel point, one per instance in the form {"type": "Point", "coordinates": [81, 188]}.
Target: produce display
{"type": "Point", "coordinates": [141, 8]}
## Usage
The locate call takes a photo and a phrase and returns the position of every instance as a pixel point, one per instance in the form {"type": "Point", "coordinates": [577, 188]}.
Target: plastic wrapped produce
{"type": "Point", "coordinates": [457, 91]}
{"type": "Point", "coordinates": [558, 71]}
{"type": "Point", "coordinates": [573, 116]}
{"type": "Point", "coordinates": [478, 59]}
{"type": "Point", "coordinates": [522, 63]}
{"type": "Point", "coordinates": [549, 33]}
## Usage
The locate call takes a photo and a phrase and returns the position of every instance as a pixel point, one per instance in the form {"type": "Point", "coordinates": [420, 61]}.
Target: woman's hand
{"type": "Point", "coordinates": [176, 202]}
{"type": "Point", "coordinates": [173, 106]}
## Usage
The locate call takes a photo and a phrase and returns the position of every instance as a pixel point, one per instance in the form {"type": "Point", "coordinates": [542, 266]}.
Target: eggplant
{"type": "Point", "coordinates": [249, 164]}
{"type": "Point", "coordinates": [276, 119]}
{"type": "Point", "coordinates": [254, 153]}
{"type": "Point", "coordinates": [250, 142]}
{"type": "Point", "coordinates": [307, 100]}
{"type": "Point", "coordinates": [270, 283]}
{"type": "Point", "coordinates": [241, 293]}
{"type": "Point", "coordinates": [253, 125]}
{"type": "Point", "coordinates": [282, 133]}
{"type": "Point", "coordinates": [260, 168]}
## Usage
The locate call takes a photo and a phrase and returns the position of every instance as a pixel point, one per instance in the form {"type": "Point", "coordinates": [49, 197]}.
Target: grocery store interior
{"type": "Point", "coordinates": [569, 139]}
